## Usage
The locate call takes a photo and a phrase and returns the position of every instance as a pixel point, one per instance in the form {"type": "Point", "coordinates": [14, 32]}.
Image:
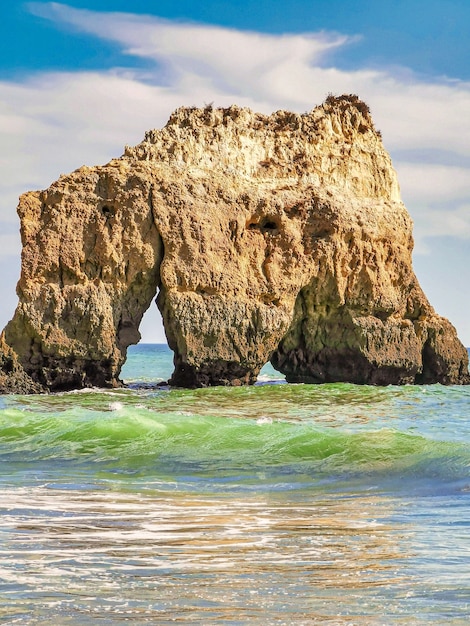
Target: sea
{"type": "Point", "coordinates": [272, 504]}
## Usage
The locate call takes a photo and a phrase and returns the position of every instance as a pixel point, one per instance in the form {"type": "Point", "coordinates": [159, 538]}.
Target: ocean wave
{"type": "Point", "coordinates": [138, 439]}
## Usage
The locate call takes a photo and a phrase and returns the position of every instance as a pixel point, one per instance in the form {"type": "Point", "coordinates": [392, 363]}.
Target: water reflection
{"type": "Point", "coordinates": [165, 557]}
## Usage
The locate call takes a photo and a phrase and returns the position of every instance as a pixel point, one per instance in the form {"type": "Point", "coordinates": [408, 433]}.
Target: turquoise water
{"type": "Point", "coordinates": [274, 504]}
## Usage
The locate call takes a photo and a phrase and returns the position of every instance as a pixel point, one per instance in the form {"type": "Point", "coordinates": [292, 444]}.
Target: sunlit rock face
{"type": "Point", "coordinates": [278, 238]}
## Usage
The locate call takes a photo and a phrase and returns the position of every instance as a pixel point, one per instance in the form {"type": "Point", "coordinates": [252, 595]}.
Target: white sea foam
{"type": "Point", "coordinates": [264, 419]}
{"type": "Point", "coordinates": [116, 406]}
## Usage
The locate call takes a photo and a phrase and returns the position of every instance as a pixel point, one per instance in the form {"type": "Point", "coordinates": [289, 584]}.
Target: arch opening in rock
{"type": "Point", "coordinates": [151, 326]}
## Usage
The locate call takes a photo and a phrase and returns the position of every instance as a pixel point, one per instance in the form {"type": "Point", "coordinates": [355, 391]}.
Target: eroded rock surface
{"type": "Point", "coordinates": [13, 378]}
{"type": "Point", "coordinates": [276, 237]}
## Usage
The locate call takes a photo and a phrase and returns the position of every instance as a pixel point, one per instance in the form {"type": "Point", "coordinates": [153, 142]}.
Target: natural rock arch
{"type": "Point", "coordinates": [276, 237]}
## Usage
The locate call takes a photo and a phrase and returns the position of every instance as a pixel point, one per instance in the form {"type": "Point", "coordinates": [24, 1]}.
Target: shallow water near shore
{"type": "Point", "coordinates": [274, 504]}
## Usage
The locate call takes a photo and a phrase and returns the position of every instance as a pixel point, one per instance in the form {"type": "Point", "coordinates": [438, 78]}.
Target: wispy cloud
{"type": "Point", "coordinates": [54, 122]}
{"type": "Point", "coordinates": [280, 71]}
{"type": "Point", "coordinates": [433, 183]}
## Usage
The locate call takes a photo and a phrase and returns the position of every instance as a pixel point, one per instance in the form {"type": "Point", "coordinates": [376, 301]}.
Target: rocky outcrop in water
{"type": "Point", "coordinates": [277, 237]}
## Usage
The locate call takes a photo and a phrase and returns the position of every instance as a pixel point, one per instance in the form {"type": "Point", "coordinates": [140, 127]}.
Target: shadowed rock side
{"type": "Point", "coordinates": [277, 237]}
{"type": "Point", "coordinates": [13, 378]}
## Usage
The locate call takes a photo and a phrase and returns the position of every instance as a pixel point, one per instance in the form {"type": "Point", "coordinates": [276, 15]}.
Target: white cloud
{"type": "Point", "coordinates": [54, 122]}
{"type": "Point", "coordinates": [445, 222]}
{"type": "Point", "coordinates": [432, 183]}
{"type": "Point", "coordinates": [282, 71]}
{"type": "Point", "coordinates": [422, 116]}
{"type": "Point", "coordinates": [179, 44]}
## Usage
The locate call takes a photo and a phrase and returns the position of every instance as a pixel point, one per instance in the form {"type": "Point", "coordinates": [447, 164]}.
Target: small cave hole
{"type": "Point", "coordinates": [382, 315]}
{"type": "Point", "coordinates": [107, 211]}
{"type": "Point", "coordinates": [267, 225]}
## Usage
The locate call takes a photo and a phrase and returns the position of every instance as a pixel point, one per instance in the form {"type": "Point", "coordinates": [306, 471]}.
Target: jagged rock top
{"type": "Point", "coordinates": [334, 145]}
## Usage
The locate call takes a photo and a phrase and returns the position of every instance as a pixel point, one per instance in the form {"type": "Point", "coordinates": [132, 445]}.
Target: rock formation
{"type": "Point", "coordinates": [277, 237]}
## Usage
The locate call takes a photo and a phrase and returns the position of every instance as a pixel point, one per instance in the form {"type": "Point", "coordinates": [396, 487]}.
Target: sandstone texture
{"type": "Point", "coordinates": [278, 238]}
{"type": "Point", "coordinates": [13, 378]}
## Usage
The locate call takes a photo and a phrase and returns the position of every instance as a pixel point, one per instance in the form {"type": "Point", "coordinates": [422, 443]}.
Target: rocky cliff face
{"type": "Point", "coordinates": [277, 237]}
{"type": "Point", "coordinates": [13, 378]}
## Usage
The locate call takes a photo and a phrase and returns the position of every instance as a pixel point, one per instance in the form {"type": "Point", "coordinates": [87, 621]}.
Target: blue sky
{"type": "Point", "coordinates": [431, 36]}
{"type": "Point", "coordinates": [80, 80]}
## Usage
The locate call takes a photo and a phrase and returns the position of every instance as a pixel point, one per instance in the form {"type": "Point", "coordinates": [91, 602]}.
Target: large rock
{"type": "Point", "coordinates": [277, 237]}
